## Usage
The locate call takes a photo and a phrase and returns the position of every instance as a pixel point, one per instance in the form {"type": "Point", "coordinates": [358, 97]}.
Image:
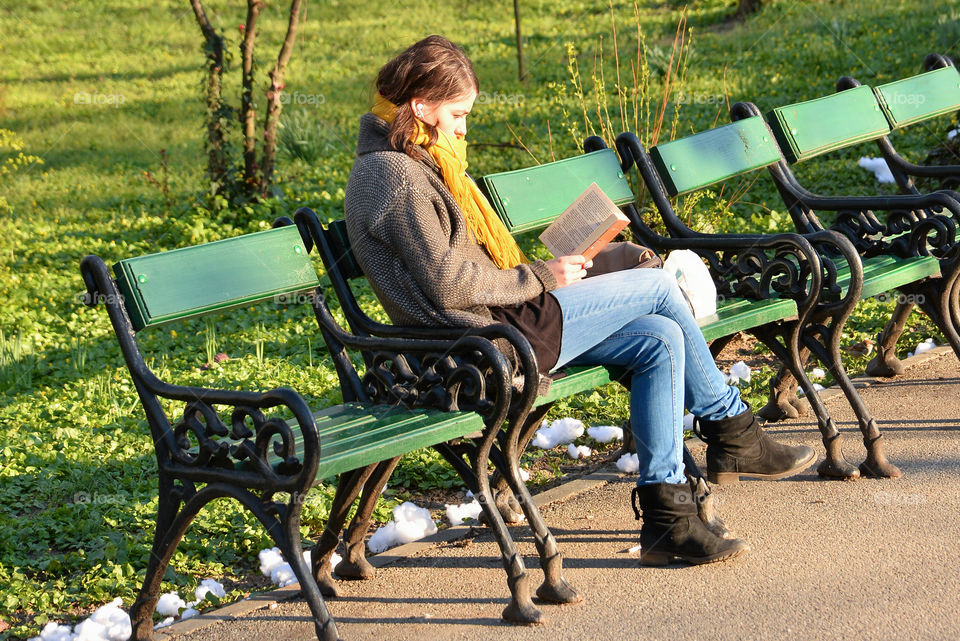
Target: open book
{"type": "Point", "coordinates": [586, 226]}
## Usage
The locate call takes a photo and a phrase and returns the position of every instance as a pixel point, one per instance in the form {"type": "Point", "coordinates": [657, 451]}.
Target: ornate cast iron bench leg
{"type": "Point", "coordinates": [180, 503]}
{"type": "Point", "coordinates": [348, 487]}
{"type": "Point", "coordinates": [554, 589]}
{"type": "Point", "coordinates": [354, 564]}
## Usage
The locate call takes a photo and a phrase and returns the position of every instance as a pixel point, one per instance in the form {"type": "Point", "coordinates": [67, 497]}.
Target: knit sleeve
{"type": "Point", "coordinates": [451, 269]}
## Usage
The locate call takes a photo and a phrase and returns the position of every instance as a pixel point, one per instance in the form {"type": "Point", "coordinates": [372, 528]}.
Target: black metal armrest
{"type": "Point", "coordinates": [200, 446]}
{"type": "Point", "coordinates": [508, 338]}
{"type": "Point", "coordinates": [460, 372]}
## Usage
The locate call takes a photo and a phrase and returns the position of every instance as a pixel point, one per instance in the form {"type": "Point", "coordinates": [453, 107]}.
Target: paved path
{"type": "Point", "coordinates": [868, 559]}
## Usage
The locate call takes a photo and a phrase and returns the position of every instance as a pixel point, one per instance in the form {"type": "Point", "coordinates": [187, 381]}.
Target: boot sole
{"type": "Point", "coordinates": [657, 558]}
{"type": "Point", "coordinates": [722, 478]}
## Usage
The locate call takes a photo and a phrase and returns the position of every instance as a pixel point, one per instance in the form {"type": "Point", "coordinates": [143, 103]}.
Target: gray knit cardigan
{"type": "Point", "coordinates": [412, 241]}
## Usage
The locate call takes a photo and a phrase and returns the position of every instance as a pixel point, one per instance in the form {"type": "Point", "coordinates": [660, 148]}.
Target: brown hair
{"type": "Point", "coordinates": [433, 69]}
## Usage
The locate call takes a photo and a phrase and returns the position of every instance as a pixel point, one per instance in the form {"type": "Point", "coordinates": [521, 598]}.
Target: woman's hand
{"type": "Point", "coordinates": [569, 269]}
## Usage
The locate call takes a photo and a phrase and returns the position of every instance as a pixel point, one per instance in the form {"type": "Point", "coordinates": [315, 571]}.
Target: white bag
{"type": "Point", "coordinates": [694, 280]}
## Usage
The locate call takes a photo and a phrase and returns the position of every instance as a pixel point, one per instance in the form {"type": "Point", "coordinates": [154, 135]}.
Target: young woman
{"type": "Point", "coordinates": [437, 255]}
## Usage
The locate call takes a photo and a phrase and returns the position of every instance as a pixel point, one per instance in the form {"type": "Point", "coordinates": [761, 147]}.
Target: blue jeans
{"type": "Point", "coordinates": [638, 319]}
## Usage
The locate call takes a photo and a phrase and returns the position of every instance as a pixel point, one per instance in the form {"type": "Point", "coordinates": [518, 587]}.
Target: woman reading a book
{"type": "Point", "coordinates": [437, 255]}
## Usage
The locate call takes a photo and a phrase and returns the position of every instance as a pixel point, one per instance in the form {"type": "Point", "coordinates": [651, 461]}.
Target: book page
{"type": "Point", "coordinates": [582, 223]}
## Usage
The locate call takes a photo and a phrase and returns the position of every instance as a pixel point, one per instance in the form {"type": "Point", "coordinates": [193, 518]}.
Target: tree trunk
{"type": "Point", "coordinates": [218, 165]}
{"type": "Point", "coordinates": [248, 109]}
{"type": "Point", "coordinates": [521, 68]}
{"type": "Point", "coordinates": [273, 99]}
{"type": "Point", "coordinates": [746, 7]}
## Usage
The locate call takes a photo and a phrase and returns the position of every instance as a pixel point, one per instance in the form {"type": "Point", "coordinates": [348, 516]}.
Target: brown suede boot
{"type": "Point", "coordinates": [672, 530]}
{"type": "Point", "coordinates": [736, 446]}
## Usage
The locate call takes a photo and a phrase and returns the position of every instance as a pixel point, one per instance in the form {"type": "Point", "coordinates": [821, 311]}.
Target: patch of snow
{"type": "Point", "coordinates": [54, 632]}
{"type": "Point", "coordinates": [925, 346]}
{"type": "Point", "coordinates": [164, 623]}
{"type": "Point", "coordinates": [605, 433]}
{"type": "Point", "coordinates": [741, 370]}
{"type": "Point", "coordinates": [628, 463]}
{"type": "Point", "coordinates": [816, 386]}
{"type": "Point", "coordinates": [578, 451]}
{"type": "Point", "coordinates": [170, 604]}
{"type": "Point", "coordinates": [210, 586]}
{"type": "Point", "coordinates": [109, 622]}
{"type": "Point", "coordinates": [560, 432]}
{"type": "Point", "coordinates": [457, 513]}
{"type": "Point", "coordinates": [410, 523]}
{"type": "Point", "coordinates": [269, 559]}
{"type": "Point", "coordinates": [879, 168]}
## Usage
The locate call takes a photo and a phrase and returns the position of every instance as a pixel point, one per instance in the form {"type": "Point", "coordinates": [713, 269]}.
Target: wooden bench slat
{"type": "Point", "coordinates": [181, 283]}
{"type": "Point", "coordinates": [808, 129]}
{"type": "Point", "coordinates": [354, 435]}
{"type": "Point", "coordinates": [885, 273]}
{"type": "Point", "coordinates": [691, 163]}
{"type": "Point", "coordinates": [530, 198]}
{"type": "Point", "coordinates": [741, 314]}
{"type": "Point", "coordinates": [579, 379]}
{"type": "Point", "coordinates": [919, 97]}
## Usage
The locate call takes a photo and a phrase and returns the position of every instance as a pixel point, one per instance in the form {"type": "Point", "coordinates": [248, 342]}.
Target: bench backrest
{"type": "Point", "coordinates": [691, 163]}
{"type": "Point", "coordinates": [531, 198]}
{"type": "Point", "coordinates": [920, 97]}
{"type": "Point", "coordinates": [183, 283]}
{"type": "Point", "coordinates": [807, 129]}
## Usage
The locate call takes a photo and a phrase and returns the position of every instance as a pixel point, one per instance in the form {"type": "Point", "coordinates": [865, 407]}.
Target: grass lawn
{"type": "Point", "coordinates": [105, 98]}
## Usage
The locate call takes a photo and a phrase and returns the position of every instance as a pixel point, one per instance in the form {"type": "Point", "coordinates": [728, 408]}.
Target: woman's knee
{"type": "Point", "coordinates": [659, 340]}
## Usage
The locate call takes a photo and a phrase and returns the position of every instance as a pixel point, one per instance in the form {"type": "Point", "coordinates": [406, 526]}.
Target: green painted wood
{"type": "Point", "coordinates": [532, 197]}
{"type": "Point", "coordinates": [917, 98]}
{"type": "Point", "coordinates": [740, 314]}
{"type": "Point", "coordinates": [710, 156]}
{"type": "Point", "coordinates": [885, 273]}
{"type": "Point", "coordinates": [579, 379]}
{"type": "Point", "coordinates": [182, 283]}
{"type": "Point", "coordinates": [355, 435]}
{"type": "Point", "coordinates": [807, 129]}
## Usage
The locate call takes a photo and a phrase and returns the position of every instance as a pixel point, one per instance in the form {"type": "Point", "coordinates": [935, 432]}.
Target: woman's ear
{"type": "Point", "coordinates": [416, 105]}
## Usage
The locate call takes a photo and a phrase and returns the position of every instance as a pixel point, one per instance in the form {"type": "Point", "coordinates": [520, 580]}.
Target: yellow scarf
{"type": "Point", "coordinates": [451, 156]}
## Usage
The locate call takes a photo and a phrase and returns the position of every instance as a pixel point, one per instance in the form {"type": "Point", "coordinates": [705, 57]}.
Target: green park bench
{"type": "Point", "coordinates": [770, 282]}
{"type": "Point", "coordinates": [917, 232]}
{"type": "Point", "coordinates": [911, 101]}
{"type": "Point", "coordinates": [462, 388]}
{"type": "Point", "coordinates": [696, 162]}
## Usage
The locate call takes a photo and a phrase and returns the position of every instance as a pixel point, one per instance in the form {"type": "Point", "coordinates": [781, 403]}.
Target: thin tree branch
{"type": "Point", "coordinates": [273, 98]}
{"type": "Point", "coordinates": [248, 109]}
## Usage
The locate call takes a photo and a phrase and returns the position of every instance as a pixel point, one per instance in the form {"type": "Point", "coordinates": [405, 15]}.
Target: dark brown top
{"type": "Point", "coordinates": [540, 320]}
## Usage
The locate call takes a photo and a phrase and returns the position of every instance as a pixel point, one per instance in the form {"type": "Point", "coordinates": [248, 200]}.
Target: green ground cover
{"type": "Point", "coordinates": [99, 95]}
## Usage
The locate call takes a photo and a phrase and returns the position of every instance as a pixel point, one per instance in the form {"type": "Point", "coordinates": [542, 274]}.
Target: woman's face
{"type": "Point", "coordinates": [450, 116]}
